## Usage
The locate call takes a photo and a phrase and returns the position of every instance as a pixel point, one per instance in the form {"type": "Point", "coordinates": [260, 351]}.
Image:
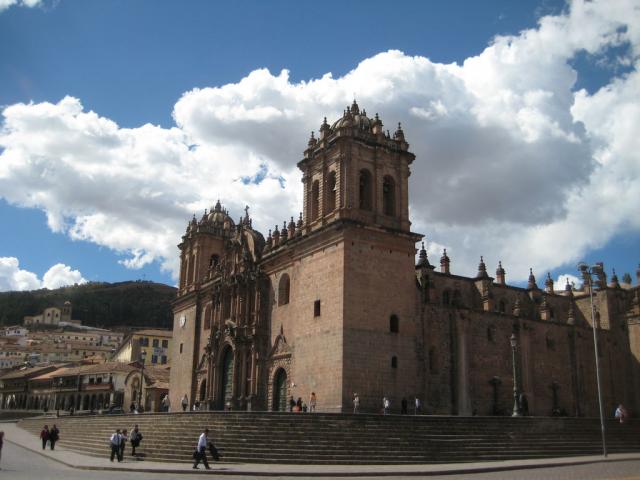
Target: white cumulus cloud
{"type": "Point", "coordinates": [61, 275]}
{"type": "Point", "coordinates": [12, 277]}
{"type": "Point", "coordinates": [4, 4]}
{"type": "Point", "coordinates": [512, 162]}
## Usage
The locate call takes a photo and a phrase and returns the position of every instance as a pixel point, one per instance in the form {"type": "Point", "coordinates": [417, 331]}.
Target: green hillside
{"type": "Point", "coordinates": [105, 305]}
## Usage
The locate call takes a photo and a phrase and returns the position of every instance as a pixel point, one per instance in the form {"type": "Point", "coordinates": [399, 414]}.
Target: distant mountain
{"type": "Point", "coordinates": [105, 305]}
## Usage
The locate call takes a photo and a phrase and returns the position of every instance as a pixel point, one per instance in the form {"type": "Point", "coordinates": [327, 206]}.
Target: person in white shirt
{"type": "Point", "coordinates": [115, 445]}
{"type": "Point", "coordinates": [201, 450]}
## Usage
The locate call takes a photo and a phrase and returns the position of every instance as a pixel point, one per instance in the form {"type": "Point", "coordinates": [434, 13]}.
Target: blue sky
{"type": "Point", "coordinates": [170, 64]}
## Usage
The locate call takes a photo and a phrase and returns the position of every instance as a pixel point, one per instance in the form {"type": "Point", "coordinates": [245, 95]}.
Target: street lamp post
{"type": "Point", "coordinates": [143, 355]}
{"type": "Point", "coordinates": [516, 407]}
{"type": "Point", "coordinates": [583, 267]}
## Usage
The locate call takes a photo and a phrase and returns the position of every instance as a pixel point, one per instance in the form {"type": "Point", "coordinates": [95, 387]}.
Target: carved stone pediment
{"type": "Point", "coordinates": [281, 348]}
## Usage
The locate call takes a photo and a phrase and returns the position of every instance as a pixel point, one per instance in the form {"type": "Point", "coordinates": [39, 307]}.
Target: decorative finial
{"type": "Point", "coordinates": [482, 269]}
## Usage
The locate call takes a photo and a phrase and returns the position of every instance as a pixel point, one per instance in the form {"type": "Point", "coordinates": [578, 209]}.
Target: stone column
{"type": "Point", "coordinates": [464, 401]}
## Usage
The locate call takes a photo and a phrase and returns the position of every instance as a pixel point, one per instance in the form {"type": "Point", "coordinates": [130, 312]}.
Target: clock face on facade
{"type": "Point", "coordinates": [183, 321]}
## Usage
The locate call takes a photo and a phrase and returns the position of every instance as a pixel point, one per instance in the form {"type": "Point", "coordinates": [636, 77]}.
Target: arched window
{"type": "Point", "coordinates": [394, 324]}
{"type": "Point", "coordinates": [502, 306]}
{"type": "Point", "coordinates": [214, 260]}
{"type": "Point", "coordinates": [394, 362]}
{"type": "Point", "coordinates": [389, 196]}
{"type": "Point", "coordinates": [315, 200]}
{"type": "Point", "coordinates": [330, 194]}
{"type": "Point", "coordinates": [283, 290]}
{"type": "Point", "coordinates": [365, 190]}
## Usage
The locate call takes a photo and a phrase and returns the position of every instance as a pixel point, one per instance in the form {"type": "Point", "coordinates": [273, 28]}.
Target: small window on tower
{"type": "Point", "coordinates": [316, 308]}
{"type": "Point", "coordinates": [181, 348]}
{"type": "Point", "coordinates": [394, 362]}
{"type": "Point", "coordinates": [394, 324]}
{"type": "Point", "coordinates": [331, 193]}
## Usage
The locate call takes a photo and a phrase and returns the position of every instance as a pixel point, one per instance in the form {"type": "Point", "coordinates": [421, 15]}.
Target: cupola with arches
{"type": "Point", "coordinates": [356, 169]}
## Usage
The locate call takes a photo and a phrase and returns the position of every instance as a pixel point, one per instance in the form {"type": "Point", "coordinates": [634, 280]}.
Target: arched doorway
{"type": "Point", "coordinates": [227, 377]}
{"type": "Point", "coordinates": [203, 390]}
{"type": "Point", "coordinates": [280, 391]}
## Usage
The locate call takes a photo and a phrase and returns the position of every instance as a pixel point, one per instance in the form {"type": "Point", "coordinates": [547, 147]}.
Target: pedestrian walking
{"type": "Point", "coordinates": [386, 404]}
{"type": "Point", "coordinates": [185, 403]}
{"type": "Point", "coordinates": [54, 436]}
{"type": "Point", "coordinates": [124, 437]}
{"type": "Point", "coordinates": [1, 443]}
{"type": "Point", "coordinates": [200, 455]}
{"type": "Point", "coordinates": [312, 402]}
{"type": "Point", "coordinates": [292, 403]}
{"type": "Point", "coordinates": [136, 438]}
{"type": "Point", "coordinates": [417, 406]}
{"type": "Point", "coordinates": [403, 406]}
{"type": "Point", "coordinates": [44, 436]}
{"type": "Point", "coordinates": [115, 445]}
{"type": "Point", "coordinates": [165, 403]}
{"type": "Point", "coordinates": [621, 413]}
{"type": "Point", "coordinates": [356, 403]}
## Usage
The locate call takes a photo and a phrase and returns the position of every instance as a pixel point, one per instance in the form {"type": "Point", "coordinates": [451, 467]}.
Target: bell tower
{"type": "Point", "coordinates": [354, 170]}
{"type": "Point", "coordinates": [201, 246]}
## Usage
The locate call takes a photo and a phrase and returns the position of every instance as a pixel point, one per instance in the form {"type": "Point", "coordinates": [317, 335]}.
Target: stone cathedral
{"type": "Point", "coordinates": [334, 303]}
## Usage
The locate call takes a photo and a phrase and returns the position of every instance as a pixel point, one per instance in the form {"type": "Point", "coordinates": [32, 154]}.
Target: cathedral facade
{"type": "Point", "coordinates": [333, 303]}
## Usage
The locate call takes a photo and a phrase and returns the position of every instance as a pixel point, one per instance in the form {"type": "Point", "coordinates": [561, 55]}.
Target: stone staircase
{"type": "Point", "coordinates": [260, 437]}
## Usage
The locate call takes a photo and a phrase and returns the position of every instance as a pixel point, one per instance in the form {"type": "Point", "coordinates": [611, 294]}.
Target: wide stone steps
{"type": "Point", "coordinates": [341, 439]}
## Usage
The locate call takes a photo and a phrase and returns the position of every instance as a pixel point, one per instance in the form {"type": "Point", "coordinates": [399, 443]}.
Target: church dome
{"type": "Point", "coordinates": [353, 118]}
{"type": "Point", "coordinates": [220, 217]}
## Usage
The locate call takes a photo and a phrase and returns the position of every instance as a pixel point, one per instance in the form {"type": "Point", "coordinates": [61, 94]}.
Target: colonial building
{"type": "Point", "coordinates": [84, 386]}
{"type": "Point", "coordinates": [333, 303]}
{"type": "Point", "coordinates": [152, 344]}
{"type": "Point", "coordinates": [53, 316]}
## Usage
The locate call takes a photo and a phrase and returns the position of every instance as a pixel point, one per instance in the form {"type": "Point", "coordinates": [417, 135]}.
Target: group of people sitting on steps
{"type": "Point", "coordinates": [119, 440]}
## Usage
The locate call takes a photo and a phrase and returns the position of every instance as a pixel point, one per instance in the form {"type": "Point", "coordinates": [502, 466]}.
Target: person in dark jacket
{"type": "Point", "coordinates": [44, 436]}
{"type": "Point", "coordinates": [54, 436]}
